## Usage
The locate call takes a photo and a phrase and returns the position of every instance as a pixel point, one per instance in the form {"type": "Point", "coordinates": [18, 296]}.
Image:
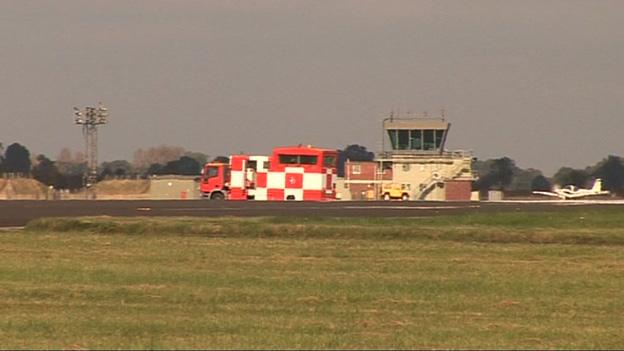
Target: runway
{"type": "Point", "coordinates": [18, 213]}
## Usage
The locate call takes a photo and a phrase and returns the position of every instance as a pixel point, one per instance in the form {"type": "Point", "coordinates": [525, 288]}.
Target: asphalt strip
{"type": "Point", "coordinates": [409, 207]}
{"type": "Point", "coordinates": [562, 202]}
{"type": "Point", "coordinates": [204, 209]}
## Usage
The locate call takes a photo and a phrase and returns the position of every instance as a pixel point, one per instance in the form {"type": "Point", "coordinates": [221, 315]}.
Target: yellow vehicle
{"type": "Point", "coordinates": [395, 191]}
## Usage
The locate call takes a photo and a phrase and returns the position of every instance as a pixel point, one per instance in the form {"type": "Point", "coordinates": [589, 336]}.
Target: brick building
{"type": "Point", "coordinates": [457, 190]}
{"type": "Point", "coordinates": [363, 179]}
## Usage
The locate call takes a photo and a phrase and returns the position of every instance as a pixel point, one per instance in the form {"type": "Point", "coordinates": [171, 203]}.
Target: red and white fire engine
{"type": "Point", "coordinates": [290, 173]}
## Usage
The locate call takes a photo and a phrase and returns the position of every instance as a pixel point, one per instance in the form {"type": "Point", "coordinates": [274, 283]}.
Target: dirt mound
{"type": "Point", "coordinates": [22, 188]}
{"type": "Point", "coordinates": [122, 187]}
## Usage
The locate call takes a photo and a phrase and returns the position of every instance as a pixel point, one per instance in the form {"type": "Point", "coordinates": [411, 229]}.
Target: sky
{"type": "Point", "coordinates": [541, 82]}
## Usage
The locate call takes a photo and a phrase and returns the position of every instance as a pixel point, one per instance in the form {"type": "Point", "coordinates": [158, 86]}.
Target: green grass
{"type": "Point", "coordinates": [516, 280]}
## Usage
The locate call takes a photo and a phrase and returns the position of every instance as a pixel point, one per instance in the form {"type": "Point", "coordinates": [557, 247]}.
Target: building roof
{"type": "Point", "coordinates": [416, 123]}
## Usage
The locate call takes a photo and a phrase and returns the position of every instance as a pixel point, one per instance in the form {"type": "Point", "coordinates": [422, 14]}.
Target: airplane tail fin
{"type": "Point", "coordinates": [597, 186]}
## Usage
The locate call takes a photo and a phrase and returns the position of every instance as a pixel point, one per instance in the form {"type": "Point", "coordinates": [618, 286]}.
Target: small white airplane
{"type": "Point", "coordinates": [572, 192]}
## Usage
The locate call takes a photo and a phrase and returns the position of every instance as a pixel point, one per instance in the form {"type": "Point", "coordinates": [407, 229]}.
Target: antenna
{"type": "Point", "coordinates": [89, 119]}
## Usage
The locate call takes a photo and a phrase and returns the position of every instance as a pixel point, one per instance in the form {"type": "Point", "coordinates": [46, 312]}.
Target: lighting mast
{"type": "Point", "coordinates": [89, 119]}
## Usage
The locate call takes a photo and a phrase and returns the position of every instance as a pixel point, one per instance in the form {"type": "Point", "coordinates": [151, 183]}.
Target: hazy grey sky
{"type": "Point", "coordinates": [539, 81]}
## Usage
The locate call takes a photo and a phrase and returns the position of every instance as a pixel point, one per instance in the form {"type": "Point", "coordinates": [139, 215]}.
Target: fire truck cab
{"type": "Point", "coordinates": [215, 181]}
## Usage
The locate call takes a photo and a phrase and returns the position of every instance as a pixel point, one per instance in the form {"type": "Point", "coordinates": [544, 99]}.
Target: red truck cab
{"type": "Point", "coordinates": [215, 181]}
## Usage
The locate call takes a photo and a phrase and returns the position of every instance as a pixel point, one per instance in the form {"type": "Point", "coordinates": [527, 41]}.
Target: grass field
{"type": "Point", "coordinates": [518, 280]}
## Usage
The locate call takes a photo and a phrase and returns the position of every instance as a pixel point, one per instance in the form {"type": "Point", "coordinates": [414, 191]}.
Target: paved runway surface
{"type": "Point", "coordinates": [18, 213]}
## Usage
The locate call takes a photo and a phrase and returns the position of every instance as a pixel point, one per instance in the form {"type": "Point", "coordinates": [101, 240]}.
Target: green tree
{"type": "Point", "coordinates": [183, 166]}
{"type": "Point", "coordinates": [497, 173]}
{"type": "Point", "coordinates": [17, 159]}
{"type": "Point", "coordinates": [71, 168]}
{"type": "Point", "coordinates": [201, 158]}
{"type": "Point", "coordinates": [117, 168]}
{"type": "Point", "coordinates": [523, 179]}
{"type": "Point", "coordinates": [504, 169]}
{"type": "Point", "coordinates": [71, 181]}
{"type": "Point", "coordinates": [611, 171]}
{"type": "Point", "coordinates": [540, 183]}
{"type": "Point", "coordinates": [221, 159]}
{"type": "Point", "coordinates": [155, 169]}
{"type": "Point", "coordinates": [46, 172]}
{"type": "Point", "coordinates": [570, 176]}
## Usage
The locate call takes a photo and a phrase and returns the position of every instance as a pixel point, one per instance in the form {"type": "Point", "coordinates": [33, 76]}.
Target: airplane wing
{"type": "Point", "coordinates": [547, 193]}
{"type": "Point", "coordinates": [577, 196]}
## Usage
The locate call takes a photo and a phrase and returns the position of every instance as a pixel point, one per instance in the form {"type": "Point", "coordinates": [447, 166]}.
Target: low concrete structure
{"type": "Point", "coordinates": [174, 187]}
{"type": "Point", "coordinates": [495, 195]}
{"type": "Point", "coordinates": [122, 189]}
{"type": "Point", "coordinates": [342, 192]}
{"type": "Point", "coordinates": [156, 188]}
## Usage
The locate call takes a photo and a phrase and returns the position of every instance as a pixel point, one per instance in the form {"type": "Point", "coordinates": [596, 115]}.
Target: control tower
{"type": "Point", "coordinates": [414, 148]}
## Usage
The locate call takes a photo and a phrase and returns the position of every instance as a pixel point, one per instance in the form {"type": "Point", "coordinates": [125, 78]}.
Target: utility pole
{"type": "Point", "coordinates": [89, 119]}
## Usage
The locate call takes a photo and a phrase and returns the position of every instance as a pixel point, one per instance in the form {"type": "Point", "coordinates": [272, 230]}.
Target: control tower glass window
{"type": "Point", "coordinates": [392, 133]}
{"type": "Point", "coordinates": [439, 137]}
{"type": "Point", "coordinates": [403, 139]}
{"type": "Point", "coordinates": [416, 139]}
{"type": "Point", "coordinates": [428, 140]}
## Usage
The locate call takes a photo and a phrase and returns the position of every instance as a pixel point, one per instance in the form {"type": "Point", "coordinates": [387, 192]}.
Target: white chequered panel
{"type": "Point", "coordinates": [260, 194]}
{"type": "Point", "coordinates": [313, 181]}
{"type": "Point", "coordinates": [237, 179]}
{"type": "Point", "coordinates": [276, 180]}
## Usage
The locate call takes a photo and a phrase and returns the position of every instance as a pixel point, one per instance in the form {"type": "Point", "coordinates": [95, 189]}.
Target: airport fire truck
{"type": "Point", "coordinates": [289, 173]}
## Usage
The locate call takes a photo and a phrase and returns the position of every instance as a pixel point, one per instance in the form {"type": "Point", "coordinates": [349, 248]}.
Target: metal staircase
{"type": "Point", "coordinates": [435, 179]}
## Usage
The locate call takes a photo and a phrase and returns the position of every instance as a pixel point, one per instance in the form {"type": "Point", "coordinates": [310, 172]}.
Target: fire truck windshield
{"type": "Point", "coordinates": [308, 160]}
{"type": "Point", "coordinates": [298, 159]}
{"type": "Point", "coordinates": [213, 171]}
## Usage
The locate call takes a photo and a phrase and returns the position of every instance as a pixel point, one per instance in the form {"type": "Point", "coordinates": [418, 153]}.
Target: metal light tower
{"type": "Point", "coordinates": [90, 118]}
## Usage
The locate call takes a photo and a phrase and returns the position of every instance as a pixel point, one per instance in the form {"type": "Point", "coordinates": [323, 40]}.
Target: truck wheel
{"type": "Point", "coordinates": [404, 197]}
{"type": "Point", "coordinates": [217, 196]}
{"type": "Point", "coordinates": [386, 197]}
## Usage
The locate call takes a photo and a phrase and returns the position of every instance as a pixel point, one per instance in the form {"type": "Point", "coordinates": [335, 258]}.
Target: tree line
{"type": "Point", "coordinates": [503, 174]}
{"type": "Point", "coordinates": [67, 170]}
